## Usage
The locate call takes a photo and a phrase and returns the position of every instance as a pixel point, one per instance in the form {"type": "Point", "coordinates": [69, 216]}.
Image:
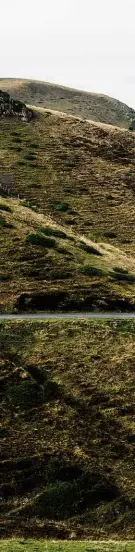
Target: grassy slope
{"type": "Point", "coordinates": [96, 107]}
{"type": "Point", "coordinates": [48, 546]}
{"type": "Point", "coordinates": [48, 266]}
{"type": "Point", "coordinates": [69, 429]}
{"type": "Point", "coordinates": [82, 174]}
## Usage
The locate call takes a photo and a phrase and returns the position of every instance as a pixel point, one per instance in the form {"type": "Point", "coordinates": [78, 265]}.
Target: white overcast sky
{"type": "Point", "coordinates": [86, 44]}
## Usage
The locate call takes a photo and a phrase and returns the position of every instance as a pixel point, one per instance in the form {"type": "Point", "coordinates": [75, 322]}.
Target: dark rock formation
{"type": "Point", "coordinates": [14, 108]}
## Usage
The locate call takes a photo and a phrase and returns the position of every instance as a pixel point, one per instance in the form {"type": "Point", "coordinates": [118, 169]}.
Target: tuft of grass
{"type": "Point", "coordinates": [90, 249]}
{"type": "Point", "coordinates": [36, 239]}
{"type": "Point", "coordinates": [110, 235]}
{"type": "Point", "coordinates": [49, 231]}
{"type": "Point", "coordinates": [92, 271]}
{"type": "Point", "coordinates": [123, 276]}
{"type": "Point", "coordinates": [120, 269]}
{"type": "Point", "coordinates": [64, 207]}
{"type": "Point", "coordinates": [4, 277]}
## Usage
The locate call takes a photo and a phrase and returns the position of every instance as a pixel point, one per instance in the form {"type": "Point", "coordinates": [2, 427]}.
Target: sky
{"type": "Point", "coordinates": [85, 44]}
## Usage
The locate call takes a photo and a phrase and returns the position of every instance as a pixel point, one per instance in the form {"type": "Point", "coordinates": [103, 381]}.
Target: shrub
{"type": "Point", "coordinates": [35, 185]}
{"type": "Point", "coordinates": [34, 146]}
{"type": "Point", "coordinates": [61, 207]}
{"type": "Point", "coordinates": [92, 271]}
{"type": "Point", "coordinates": [110, 235]}
{"type": "Point", "coordinates": [14, 133]}
{"type": "Point", "coordinates": [53, 232]}
{"type": "Point", "coordinates": [126, 276]}
{"type": "Point", "coordinates": [17, 139]}
{"type": "Point", "coordinates": [30, 156]}
{"type": "Point", "coordinates": [90, 249]}
{"type": "Point", "coordinates": [120, 269]}
{"type": "Point", "coordinates": [29, 204]}
{"type": "Point", "coordinates": [4, 277]}
{"type": "Point", "coordinates": [26, 395]}
{"type": "Point", "coordinates": [15, 148]}
{"type": "Point", "coordinates": [4, 207]}
{"type": "Point", "coordinates": [36, 239]}
{"type": "Point", "coordinates": [58, 501]}
{"type": "Point", "coordinates": [64, 499]}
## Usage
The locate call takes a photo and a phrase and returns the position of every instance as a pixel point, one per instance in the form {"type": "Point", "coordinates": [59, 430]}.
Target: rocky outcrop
{"type": "Point", "coordinates": [14, 108]}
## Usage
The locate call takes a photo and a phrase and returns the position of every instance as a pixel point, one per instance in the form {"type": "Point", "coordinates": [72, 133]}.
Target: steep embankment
{"type": "Point", "coordinates": [96, 107]}
{"type": "Point", "coordinates": [67, 452]}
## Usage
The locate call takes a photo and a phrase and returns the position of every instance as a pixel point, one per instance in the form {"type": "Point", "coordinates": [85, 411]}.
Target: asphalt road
{"type": "Point", "coordinates": [71, 315]}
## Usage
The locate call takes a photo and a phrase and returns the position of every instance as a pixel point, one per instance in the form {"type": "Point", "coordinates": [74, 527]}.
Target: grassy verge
{"type": "Point", "coordinates": [48, 546]}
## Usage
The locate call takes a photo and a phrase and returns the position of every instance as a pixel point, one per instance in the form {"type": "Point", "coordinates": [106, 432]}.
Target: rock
{"type": "Point", "coordinates": [14, 108]}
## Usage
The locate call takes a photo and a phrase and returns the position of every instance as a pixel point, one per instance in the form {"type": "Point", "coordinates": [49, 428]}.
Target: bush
{"type": "Point", "coordinates": [36, 239]}
{"type": "Point", "coordinates": [4, 277]}
{"type": "Point", "coordinates": [58, 501]}
{"type": "Point", "coordinates": [53, 232]}
{"type": "Point", "coordinates": [64, 499]}
{"type": "Point", "coordinates": [110, 235]}
{"type": "Point", "coordinates": [92, 271]}
{"type": "Point", "coordinates": [30, 156]}
{"type": "Point", "coordinates": [29, 204]}
{"type": "Point", "coordinates": [35, 185]}
{"type": "Point", "coordinates": [90, 249]}
{"type": "Point", "coordinates": [17, 139]}
{"type": "Point", "coordinates": [15, 148]}
{"type": "Point", "coordinates": [26, 395]}
{"type": "Point", "coordinates": [126, 276]}
{"type": "Point", "coordinates": [5, 208]}
{"type": "Point", "coordinates": [34, 146]}
{"type": "Point", "coordinates": [61, 207]}
{"type": "Point", "coordinates": [120, 269]}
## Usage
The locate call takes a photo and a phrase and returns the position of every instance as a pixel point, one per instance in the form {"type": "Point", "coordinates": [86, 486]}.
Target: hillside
{"type": "Point", "coordinates": [67, 452]}
{"type": "Point", "coordinates": [46, 266]}
{"type": "Point", "coordinates": [80, 173]}
{"type": "Point", "coordinates": [70, 183]}
{"type": "Point", "coordinates": [96, 107]}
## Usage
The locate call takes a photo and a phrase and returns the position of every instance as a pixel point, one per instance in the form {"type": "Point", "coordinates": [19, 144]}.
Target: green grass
{"type": "Point", "coordinates": [60, 546]}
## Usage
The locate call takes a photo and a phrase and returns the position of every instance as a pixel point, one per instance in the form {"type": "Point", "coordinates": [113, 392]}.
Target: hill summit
{"type": "Point", "coordinates": [87, 105]}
